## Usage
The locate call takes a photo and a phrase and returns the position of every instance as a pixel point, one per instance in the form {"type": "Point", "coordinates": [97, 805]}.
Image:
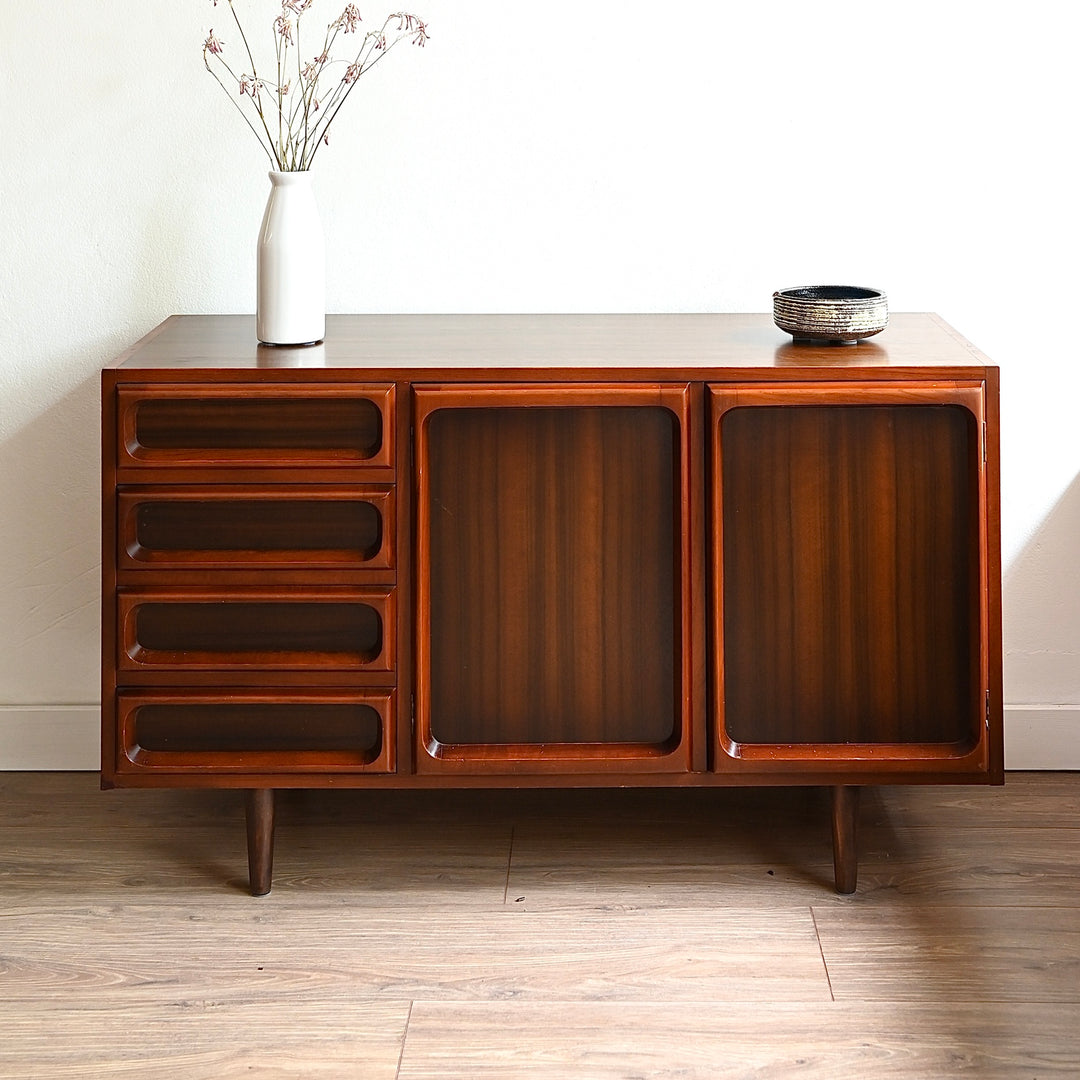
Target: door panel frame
{"type": "Point", "coordinates": [880, 760]}
{"type": "Point", "coordinates": [686, 750]}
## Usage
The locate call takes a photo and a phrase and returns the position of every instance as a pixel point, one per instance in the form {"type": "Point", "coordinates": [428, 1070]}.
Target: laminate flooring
{"type": "Point", "coordinates": [552, 934]}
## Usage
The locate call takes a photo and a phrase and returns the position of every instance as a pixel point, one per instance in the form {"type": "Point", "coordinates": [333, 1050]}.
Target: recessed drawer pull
{"type": "Point", "coordinates": [255, 527]}
{"type": "Point", "coordinates": [227, 731]}
{"type": "Point", "coordinates": [242, 632]}
{"type": "Point", "coordinates": [215, 427]}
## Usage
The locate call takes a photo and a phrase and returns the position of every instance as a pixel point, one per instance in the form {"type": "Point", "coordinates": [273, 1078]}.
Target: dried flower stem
{"type": "Point", "coordinates": [304, 114]}
{"type": "Point", "coordinates": [269, 146]}
{"type": "Point", "coordinates": [267, 149]}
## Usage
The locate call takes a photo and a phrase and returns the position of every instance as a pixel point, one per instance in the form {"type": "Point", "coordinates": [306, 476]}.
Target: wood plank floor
{"type": "Point", "coordinates": [612, 934]}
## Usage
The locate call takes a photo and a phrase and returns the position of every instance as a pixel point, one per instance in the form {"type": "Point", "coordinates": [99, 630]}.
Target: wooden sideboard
{"type": "Point", "coordinates": [493, 551]}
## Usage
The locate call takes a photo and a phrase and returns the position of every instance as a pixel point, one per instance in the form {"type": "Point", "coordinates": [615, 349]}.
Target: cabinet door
{"type": "Point", "coordinates": [553, 583]}
{"type": "Point", "coordinates": [850, 602]}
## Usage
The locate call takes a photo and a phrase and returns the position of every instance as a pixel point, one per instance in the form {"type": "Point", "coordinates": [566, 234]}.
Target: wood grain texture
{"type": "Point", "coordinates": [845, 831]}
{"type": "Point", "coordinates": [233, 630]}
{"type": "Point", "coordinates": [504, 1041]}
{"type": "Point", "coordinates": [447, 864]}
{"type": "Point", "coordinates": [553, 575]}
{"type": "Point", "coordinates": [259, 811]}
{"type": "Point", "coordinates": [651, 940]}
{"type": "Point", "coordinates": [1036, 800]}
{"type": "Point", "coordinates": [850, 563]}
{"type": "Point", "coordinates": [251, 526]}
{"type": "Point", "coordinates": [239, 423]}
{"type": "Point", "coordinates": [1033, 800]}
{"type": "Point", "coordinates": [219, 427]}
{"type": "Point", "coordinates": [932, 952]}
{"type": "Point", "coordinates": [773, 846]}
{"type": "Point", "coordinates": [585, 342]}
{"type": "Point", "coordinates": [1038, 870]}
{"type": "Point", "coordinates": [421, 951]}
{"type": "Point", "coordinates": [204, 1035]}
{"type": "Point", "coordinates": [202, 728]}
{"type": "Point", "coordinates": [237, 731]}
{"type": "Point", "coordinates": [197, 411]}
{"type": "Point", "coordinates": [554, 604]}
{"type": "Point", "coordinates": [238, 626]}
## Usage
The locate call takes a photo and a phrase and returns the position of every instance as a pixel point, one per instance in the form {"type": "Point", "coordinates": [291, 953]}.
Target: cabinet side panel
{"type": "Point", "coordinates": [108, 579]}
{"type": "Point", "coordinates": [850, 549]}
{"type": "Point", "coordinates": [994, 658]}
{"type": "Point", "coordinates": [553, 584]}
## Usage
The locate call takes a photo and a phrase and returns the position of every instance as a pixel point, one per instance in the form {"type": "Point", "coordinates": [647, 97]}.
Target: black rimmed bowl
{"type": "Point", "coordinates": [831, 314]}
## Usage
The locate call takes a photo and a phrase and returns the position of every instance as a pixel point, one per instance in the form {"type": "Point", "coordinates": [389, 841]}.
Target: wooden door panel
{"type": "Point", "coordinates": [849, 571]}
{"type": "Point", "coordinates": [551, 595]}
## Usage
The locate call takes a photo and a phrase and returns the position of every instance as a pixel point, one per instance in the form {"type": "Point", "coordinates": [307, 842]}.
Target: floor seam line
{"type": "Point", "coordinates": [509, 864]}
{"type": "Point", "coordinates": [821, 951]}
{"type": "Point", "coordinates": [404, 1036]}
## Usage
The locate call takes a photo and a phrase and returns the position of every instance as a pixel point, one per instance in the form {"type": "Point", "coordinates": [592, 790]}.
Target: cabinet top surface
{"type": "Point", "coordinates": [451, 343]}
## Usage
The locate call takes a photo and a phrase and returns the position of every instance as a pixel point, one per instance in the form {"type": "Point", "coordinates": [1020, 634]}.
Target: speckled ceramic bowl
{"type": "Point", "coordinates": [836, 314]}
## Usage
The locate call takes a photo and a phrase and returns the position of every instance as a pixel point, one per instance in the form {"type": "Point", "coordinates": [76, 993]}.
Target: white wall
{"type": "Point", "coordinates": [572, 156]}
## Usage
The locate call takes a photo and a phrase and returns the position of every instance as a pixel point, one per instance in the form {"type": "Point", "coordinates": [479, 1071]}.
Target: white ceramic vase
{"type": "Point", "coordinates": [291, 270]}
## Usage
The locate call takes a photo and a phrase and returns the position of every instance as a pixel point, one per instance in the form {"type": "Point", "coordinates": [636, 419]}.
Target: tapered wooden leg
{"type": "Point", "coordinates": [260, 839]}
{"type": "Point", "coordinates": [845, 820]}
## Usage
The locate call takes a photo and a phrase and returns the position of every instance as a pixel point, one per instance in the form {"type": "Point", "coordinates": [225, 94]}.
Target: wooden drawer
{"type": "Point", "coordinates": [238, 527]}
{"type": "Point", "coordinates": [228, 426]}
{"type": "Point", "coordinates": [250, 630]}
{"type": "Point", "coordinates": [230, 731]}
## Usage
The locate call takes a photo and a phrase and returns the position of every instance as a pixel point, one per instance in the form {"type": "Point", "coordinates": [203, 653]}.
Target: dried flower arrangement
{"type": "Point", "coordinates": [302, 101]}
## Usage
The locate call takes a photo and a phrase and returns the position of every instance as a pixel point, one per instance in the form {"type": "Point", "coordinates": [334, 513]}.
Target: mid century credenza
{"type": "Point", "coordinates": [492, 551]}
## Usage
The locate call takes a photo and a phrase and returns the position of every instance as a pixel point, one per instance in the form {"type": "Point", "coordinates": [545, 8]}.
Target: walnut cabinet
{"type": "Point", "coordinates": [549, 550]}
